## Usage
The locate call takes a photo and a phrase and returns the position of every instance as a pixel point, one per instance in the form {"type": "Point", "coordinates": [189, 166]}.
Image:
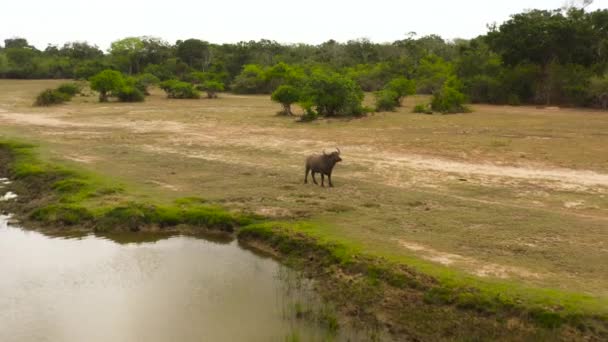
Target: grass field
{"type": "Point", "coordinates": [505, 195]}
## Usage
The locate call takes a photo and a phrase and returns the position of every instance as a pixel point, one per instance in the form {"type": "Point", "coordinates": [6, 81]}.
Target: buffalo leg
{"type": "Point", "coordinates": [331, 185]}
{"type": "Point", "coordinates": [314, 180]}
{"type": "Point", "coordinates": [322, 179]}
{"type": "Point", "coordinates": [306, 175]}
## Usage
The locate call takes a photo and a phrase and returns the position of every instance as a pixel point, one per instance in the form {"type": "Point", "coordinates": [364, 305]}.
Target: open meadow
{"type": "Point", "coordinates": [502, 195]}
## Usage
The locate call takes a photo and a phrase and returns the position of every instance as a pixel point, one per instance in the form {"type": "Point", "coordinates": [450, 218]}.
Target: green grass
{"type": "Point", "coordinates": [77, 198]}
{"type": "Point", "coordinates": [441, 285]}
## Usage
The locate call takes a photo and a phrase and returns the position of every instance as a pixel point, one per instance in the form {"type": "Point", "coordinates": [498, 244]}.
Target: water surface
{"type": "Point", "coordinates": [179, 288]}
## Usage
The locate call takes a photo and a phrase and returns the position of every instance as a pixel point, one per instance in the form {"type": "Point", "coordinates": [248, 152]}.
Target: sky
{"type": "Point", "coordinates": [45, 22]}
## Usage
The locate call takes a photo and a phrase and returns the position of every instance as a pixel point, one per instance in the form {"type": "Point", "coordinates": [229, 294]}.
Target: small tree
{"type": "Point", "coordinates": [286, 95]}
{"type": "Point", "coordinates": [599, 90]}
{"type": "Point", "coordinates": [144, 81]}
{"type": "Point", "coordinates": [386, 100]}
{"type": "Point", "coordinates": [179, 90]}
{"type": "Point", "coordinates": [449, 99]}
{"type": "Point", "coordinates": [333, 94]}
{"type": "Point", "coordinates": [106, 82]}
{"type": "Point", "coordinates": [212, 88]}
{"type": "Point", "coordinates": [402, 87]}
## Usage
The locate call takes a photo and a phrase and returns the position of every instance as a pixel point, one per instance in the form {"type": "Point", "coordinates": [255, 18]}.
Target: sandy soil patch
{"type": "Point", "coordinates": [472, 265]}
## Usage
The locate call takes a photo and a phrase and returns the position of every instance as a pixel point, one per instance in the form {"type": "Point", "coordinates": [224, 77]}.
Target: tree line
{"type": "Point", "coordinates": [547, 57]}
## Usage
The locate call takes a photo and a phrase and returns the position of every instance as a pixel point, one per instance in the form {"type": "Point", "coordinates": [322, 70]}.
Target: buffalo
{"type": "Point", "coordinates": [323, 164]}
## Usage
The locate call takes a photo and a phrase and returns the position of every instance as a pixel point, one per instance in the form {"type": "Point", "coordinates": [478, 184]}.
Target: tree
{"type": "Point", "coordinates": [432, 73]}
{"type": "Point", "coordinates": [402, 87]}
{"type": "Point", "coordinates": [386, 100]}
{"type": "Point", "coordinates": [194, 52]}
{"type": "Point", "coordinates": [251, 80]}
{"type": "Point", "coordinates": [449, 99]}
{"type": "Point", "coordinates": [333, 94]}
{"type": "Point", "coordinates": [144, 81]}
{"type": "Point", "coordinates": [179, 90]}
{"type": "Point", "coordinates": [127, 53]}
{"type": "Point", "coordinates": [286, 95]}
{"type": "Point", "coordinates": [599, 90]}
{"type": "Point", "coordinates": [107, 81]}
{"type": "Point", "coordinates": [212, 88]}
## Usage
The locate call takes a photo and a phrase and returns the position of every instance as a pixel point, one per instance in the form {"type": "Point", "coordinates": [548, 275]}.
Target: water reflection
{"type": "Point", "coordinates": [144, 288]}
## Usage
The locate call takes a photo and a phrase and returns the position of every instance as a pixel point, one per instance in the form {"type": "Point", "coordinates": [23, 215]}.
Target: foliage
{"type": "Point", "coordinates": [179, 90]}
{"type": "Point", "coordinates": [130, 93]}
{"type": "Point", "coordinates": [70, 89]}
{"type": "Point", "coordinates": [106, 82]}
{"type": "Point", "coordinates": [144, 81]}
{"type": "Point", "coordinates": [449, 99]}
{"type": "Point", "coordinates": [212, 88]}
{"type": "Point", "coordinates": [251, 80]}
{"type": "Point", "coordinates": [286, 95]}
{"type": "Point", "coordinates": [423, 109]}
{"type": "Point", "coordinates": [598, 90]}
{"type": "Point", "coordinates": [402, 87]}
{"type": "Point", "coordinates": [535, 57]}
{"type": "Point", "coordinates": [386, 100]}
{"type": "Point", "coordinates": [51, 97]}
{"type": "Point", "coordinates": [333, 94]}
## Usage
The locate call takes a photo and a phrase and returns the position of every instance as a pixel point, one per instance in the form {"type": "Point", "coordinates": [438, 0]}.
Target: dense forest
{"type": "Point", "coordinates": [546, 57]}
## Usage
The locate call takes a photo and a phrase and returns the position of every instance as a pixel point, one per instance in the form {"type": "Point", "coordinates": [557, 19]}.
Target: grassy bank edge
{"type": "Point", "coordinates": [53, 195]}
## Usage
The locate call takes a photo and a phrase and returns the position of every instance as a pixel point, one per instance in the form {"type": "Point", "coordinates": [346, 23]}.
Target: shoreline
{"type": "Point", "coordinates": [369, 290]}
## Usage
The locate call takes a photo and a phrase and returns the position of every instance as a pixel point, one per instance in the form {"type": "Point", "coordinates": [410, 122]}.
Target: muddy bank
{"type": "Point", "coordinates": [370, 291]}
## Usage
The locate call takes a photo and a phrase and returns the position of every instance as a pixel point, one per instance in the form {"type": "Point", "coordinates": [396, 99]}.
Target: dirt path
{"type": "Point", "coordinates": [274, 139]}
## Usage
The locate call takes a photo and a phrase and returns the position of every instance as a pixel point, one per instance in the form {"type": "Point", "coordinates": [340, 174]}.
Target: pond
{"type": "Point", "coordinates": [141, 288]}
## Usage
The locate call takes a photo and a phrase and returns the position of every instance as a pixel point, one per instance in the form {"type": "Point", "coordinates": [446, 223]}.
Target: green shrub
{"type": "Point", "coordinates": [144, 81]}
{"type": "Point", "coordinates": [179, 90]}
{"type": "Point", "coordinates": [309, 113]}
{"type": "Point", "coordinates": [423, 109]}
{"type": "Point", "coordinates": [333, 94]}
{"type": "Point", "coordinates": [251, 80]}
{"type": "Point", "coordinates": [107, 82]}
{"type": "Point", "coordinates": [130, 94]}
{"type": "Point", "coordinates": [51, 97]}
{"type": "Point", "coordinates": [402, 87]}
{"type": "Point", "coordinates": [449, 99]}
{"type": "Point", "coordinates": [211, 88]}
{"type": "Point", "coordinates": [286, 95]}
{"type": "Point", "coordinates": [69, 88]}
{"type": "Point", "coordinates": [386, 100]}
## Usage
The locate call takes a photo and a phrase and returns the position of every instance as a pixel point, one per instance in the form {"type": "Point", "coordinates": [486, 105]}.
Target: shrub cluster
{"type": "Point", "coordinates": [61, 94]}
{"type": "Point", "coordinates": [180, 90]}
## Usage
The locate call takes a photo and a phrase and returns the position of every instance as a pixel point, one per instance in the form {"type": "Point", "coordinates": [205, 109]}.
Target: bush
{"type": "Point", "coordinates": [107, 82]}
{"type": "Point", "coordinates": [286, 95]}
{"type": "Point", "coordinates": [211, 88]}
{"type": "Point", "coordinates": [145, 81]}
{"type": "Point", "coordinates": [251, 80]}
{"type": "Point", "coordinates": [333, 94]}
{"type": "Point", "coordinates": [51, 97]}
{"type": "Point", "coordinates": [386, 100]}
{"type": "Point", "coordinates": [402, 87]}
{"type": "Point", "coordinates": [449, 99]}
{"type": "Point", "coordinates": [422, 109]}
{"type": "Point", "coordinates": [179, 90]}
{"type": "Point", "coordinates": [130, 94]}
{"type": "Point", "coordinates": [309, 113]}
{"type": "Point", "coordinates": [599, 90]}
{"type": "Point", "coordinates": [70, 89]}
